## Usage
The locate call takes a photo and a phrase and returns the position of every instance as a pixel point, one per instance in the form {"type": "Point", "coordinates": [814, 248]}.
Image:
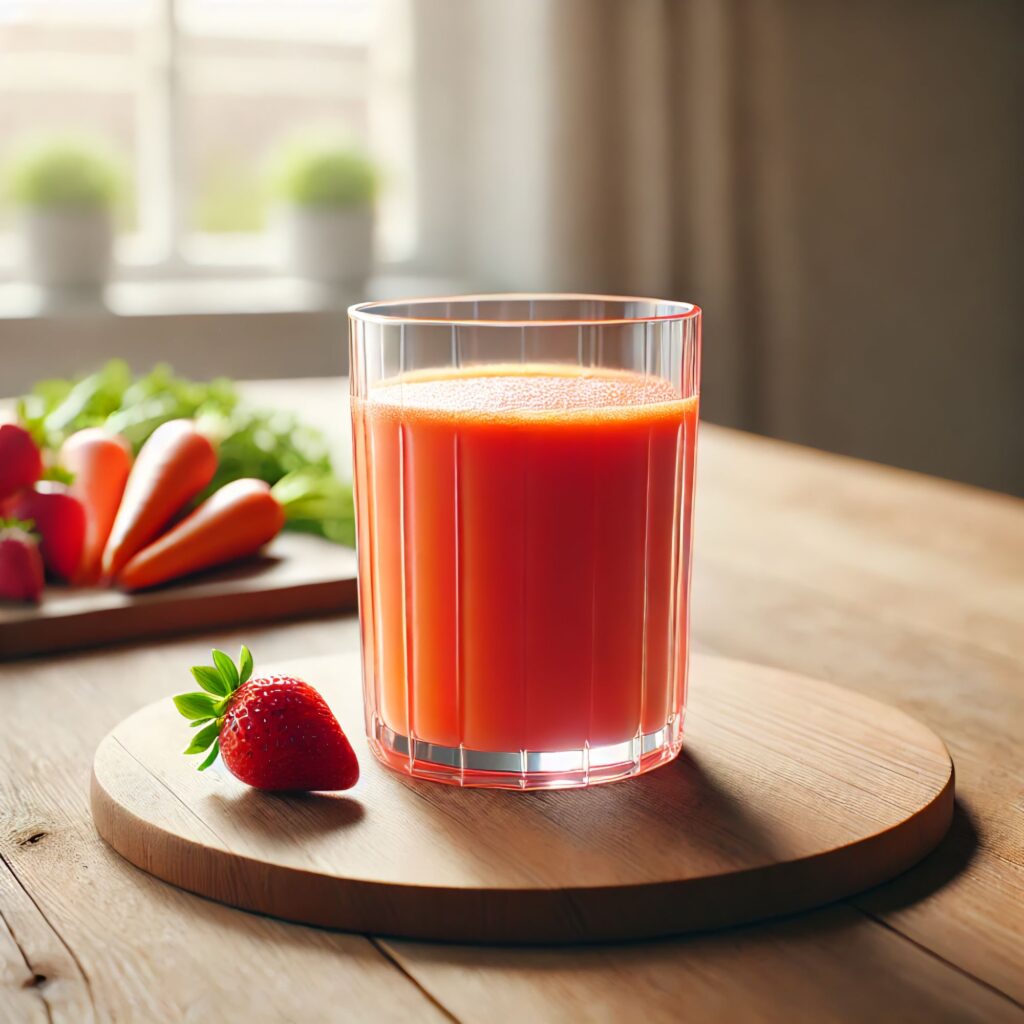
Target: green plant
{"type": "Point", "coordinates": [309, 173]}
{"type": "Point", "coordinates": [64, 172]}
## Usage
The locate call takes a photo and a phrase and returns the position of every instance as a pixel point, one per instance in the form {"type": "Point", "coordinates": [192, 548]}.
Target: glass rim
{"type": "Point", "coordinates": [372, 312]}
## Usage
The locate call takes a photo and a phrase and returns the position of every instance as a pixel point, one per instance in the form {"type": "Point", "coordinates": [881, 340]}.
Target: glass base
{"type": "Point", "coordinates": [526, 769]}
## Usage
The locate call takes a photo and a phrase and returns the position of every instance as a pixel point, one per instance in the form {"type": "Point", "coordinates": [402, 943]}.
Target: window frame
{"type": "Point", "coordinates": [166, 249]}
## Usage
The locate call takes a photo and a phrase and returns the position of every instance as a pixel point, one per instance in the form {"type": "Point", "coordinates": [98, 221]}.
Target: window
{"type": "Point", "coordinates": [195, 96]}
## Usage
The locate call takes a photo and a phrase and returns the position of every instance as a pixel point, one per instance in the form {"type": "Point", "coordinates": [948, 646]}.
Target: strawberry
{"type": "Point", "coordinates": [58, 518]}
{"type": "Point", "coordinates": [273, 732]}
{"type": "Point", "coordinates": [21, 465]}
{"type": "Point", "coordinates": [21, 565]}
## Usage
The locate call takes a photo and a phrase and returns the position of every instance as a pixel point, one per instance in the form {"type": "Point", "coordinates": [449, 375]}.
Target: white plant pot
{"type": "Point", "coordinates": [328, 245]}
{"type": "Point", "coordinates": [68, 249]}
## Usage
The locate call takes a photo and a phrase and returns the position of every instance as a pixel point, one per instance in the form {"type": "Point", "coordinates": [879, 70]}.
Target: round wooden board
{"type": "Point", "coordinates": [790, 792]}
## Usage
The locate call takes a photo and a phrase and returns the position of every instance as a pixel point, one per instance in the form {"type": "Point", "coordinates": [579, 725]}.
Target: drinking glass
{"type": "Point", "coordinates": [524, 472]}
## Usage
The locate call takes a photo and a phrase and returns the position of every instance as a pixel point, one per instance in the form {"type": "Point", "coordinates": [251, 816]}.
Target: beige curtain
{"type": "Point", "coordinates": [838, 184]}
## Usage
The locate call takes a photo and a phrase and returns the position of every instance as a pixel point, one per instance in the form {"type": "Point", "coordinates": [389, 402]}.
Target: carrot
{"type": "Point", "coordinates": [100, 463]}
{"type": "Point", "coordinates": [174, 465]}
{"type": "Point", "coordinates": [234, 522]}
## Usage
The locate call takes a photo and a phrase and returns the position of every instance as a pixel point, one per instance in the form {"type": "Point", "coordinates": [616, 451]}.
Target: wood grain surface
{"type": "Point", "coordinates": [904, 588]}
{"type": "Point", "coordinates": [296, 575]}
{"type": "Point", "coordinates": [790, 793]}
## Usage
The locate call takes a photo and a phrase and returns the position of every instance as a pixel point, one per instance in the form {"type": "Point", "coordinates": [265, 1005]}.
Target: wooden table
{"type": "Point", "coordinates": [905, 588]}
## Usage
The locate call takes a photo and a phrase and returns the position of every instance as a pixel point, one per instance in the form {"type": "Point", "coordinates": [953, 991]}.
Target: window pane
{"type": "Point", "coordinates": [72, 68]}
{"type": "Point", "coordinates": [255, 73]}
{"type": "Point", "coordinates": [196, 96]}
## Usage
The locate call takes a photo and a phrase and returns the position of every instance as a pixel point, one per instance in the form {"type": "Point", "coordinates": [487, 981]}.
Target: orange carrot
{"type": "Point", "coordinates": [174, 465]}
{"type": "Point", "coordinates": [234, 522]}
{"type": "Point", "coordinates": [100, 463]}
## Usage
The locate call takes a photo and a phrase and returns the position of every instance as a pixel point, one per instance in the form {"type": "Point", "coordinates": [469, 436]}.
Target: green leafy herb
{"type": "Point", "coordinates": [317, 502]}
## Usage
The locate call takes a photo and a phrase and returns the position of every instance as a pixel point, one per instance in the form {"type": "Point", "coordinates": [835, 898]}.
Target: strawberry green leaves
{"type": "Point", "coordinates": [214, 751]}
{"type": "Point", "coordinates": [205, 709]}
{"type": "Point", "coordinates": [26, 526]}
{"type": "Point", "coordinates": [203, 739]}
{"type": "Point", "coordinates": [222, 678]}
{"type": "Point", "coordinates": [226, 668]}
{"type": "Point", "coordinates": [244, 665]}
{"type": "Point", "coordinates": [210, 680]}
{"type": "Point", "coordinates": [195, 705]}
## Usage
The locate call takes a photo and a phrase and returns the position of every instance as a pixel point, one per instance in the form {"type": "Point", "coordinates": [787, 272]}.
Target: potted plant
{"type": "Point", "coordinates": [65, 191]}
{"type": "Point", "coordinates": [325, 193]}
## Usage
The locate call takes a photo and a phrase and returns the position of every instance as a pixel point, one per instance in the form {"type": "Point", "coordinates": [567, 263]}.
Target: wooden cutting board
{"type": "Point", "coordinates": [297, 575]}
{"type": "Point", "coordinates": [790, 792]}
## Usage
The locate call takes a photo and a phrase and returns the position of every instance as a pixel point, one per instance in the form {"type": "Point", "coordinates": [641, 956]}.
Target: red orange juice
{"type": "Point", "coordinates": [523, 544]}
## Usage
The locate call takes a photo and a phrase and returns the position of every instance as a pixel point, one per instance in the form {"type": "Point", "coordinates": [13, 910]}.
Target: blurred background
{"type": "Point", "coordinates": [839, 186]}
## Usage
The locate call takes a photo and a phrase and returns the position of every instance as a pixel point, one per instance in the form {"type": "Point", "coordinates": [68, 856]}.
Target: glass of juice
{"type": "Point", "coordinates": [524, 471]}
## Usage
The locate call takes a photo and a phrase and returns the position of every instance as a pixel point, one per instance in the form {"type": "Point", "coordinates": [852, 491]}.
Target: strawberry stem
{"type": "Point", "coordinates": [25, 525]}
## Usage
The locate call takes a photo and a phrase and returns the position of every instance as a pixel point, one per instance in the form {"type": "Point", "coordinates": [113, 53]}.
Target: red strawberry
{"type": "Point", "coordinates": [21, 565]}
{"type": "Point", "coordinates": [273, 732]}
{"type": "Point", "coordinates": [58, 518]}
{"type": "Point", "coordinates": [21, 465]}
